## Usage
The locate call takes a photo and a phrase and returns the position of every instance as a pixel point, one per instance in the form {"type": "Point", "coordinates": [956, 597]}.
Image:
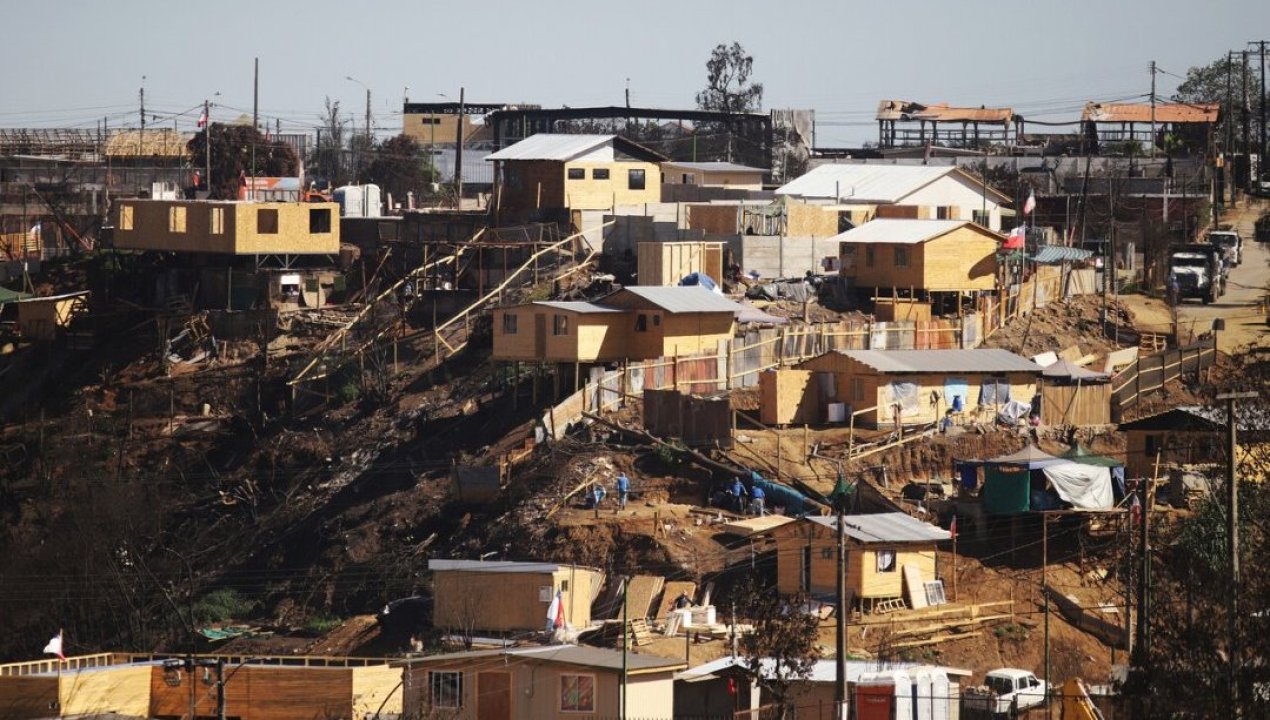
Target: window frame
{"type": "Point", "coordinates": [901, 256]}
{"type": "Point", "coordinates": [575, 173]}
{"type": "Point", "coordinates": [559, 325]}
{"type": "Point", "coordinates": [511, 323]}
{"type": "Point", "coordinates": [216, 221]}
{"type": "Point", "coordinates": [641, 322]}
{"type": "Point", "coordinates": [632, 183]}
{"type": "Point", "coordinates": [315, 213]}
{"type": "Point", "coordinates": [869, 256]}
{"type": "Point", "coordinates": [600, 174]}
{"type": "Point", "coordinates": [434, 676]}
{"type": "Point", "coordinates": [578, 677]}
{"type": "Point", "coordinates": [127, 217]}
{"type": "Point", "coordinates": [177, 219]}
{"type": "Point", "coordinates": [894, 564]}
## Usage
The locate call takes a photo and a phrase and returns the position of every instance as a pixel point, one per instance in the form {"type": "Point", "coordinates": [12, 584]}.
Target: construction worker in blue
{"type": "Point", "coordinates": [758, 497]}
{"type": "Point", "coordinates": [623, 487]}
{"type": "Point", "coordinates": [738, 495]}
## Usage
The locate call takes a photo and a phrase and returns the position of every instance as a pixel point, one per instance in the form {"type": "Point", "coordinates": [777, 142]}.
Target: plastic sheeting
{"type": "Point", "coordinates": [1084, 487]}
{"type": "Point", "coordinates": [956, 387]}
{"type": "Point", "coordinates": [906, 395]}
{"type": "Point", "coordinates": [1014, 411]}
{"type": "Point", "coordinates": [778, 495]}
{"type": "Point", "coordinates": [994, 392]}
{"type": "Point", "coordinates": [1006, 491]}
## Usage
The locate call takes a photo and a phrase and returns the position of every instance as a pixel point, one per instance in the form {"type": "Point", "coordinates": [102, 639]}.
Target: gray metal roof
{"type": "Point", "coordinates": [894, 527]}
{"type": "Point", "coordinates": [686, 299]}
{"type": "Point", "coordinates": [567, 654]}
{"type": "Point", "coordinates": [714, 167]}
{"type": "Point", "coordinates": [967, 361]}
{"type": "Point", "coordinates": [864, 183]}
{"type": "Point", "coordinates": [576, 306]}
{"type": "Point", "coordinates": [551, 146]}
{"type": "Point", "coordinates": [501, 566]}
{"type": "Point", "coordinates": [901, 231]}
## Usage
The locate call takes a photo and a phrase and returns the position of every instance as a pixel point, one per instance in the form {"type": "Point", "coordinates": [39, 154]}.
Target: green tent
{"type": "Point", "coordinates": [8, 296]}
{"type": "Point", "coordinates": [1006, 490]}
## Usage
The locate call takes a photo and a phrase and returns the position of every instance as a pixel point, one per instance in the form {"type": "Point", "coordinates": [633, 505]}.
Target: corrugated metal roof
{"type": "Point", "coordinates": [901, 232]}
{"type": "Point", "coordinates": [578, 306]}
{"type": "Point", "coordinates": [864, 183]}
{"type": "Point", "coordinates": [689, 299]}
{"type": "Point", "coordinates": [892, 527]}
{"type": "Point", "coordinates": [501, 566]}
{"type": "Point", "coordinates": [1141, 112]}
{"type": "Point", "coordinates": [715, 167]}
{"type": "Point", "coordinates": [551, 146]}
{"type": "Point", "coordinates": [906, 110]}
{"type": "Point", "coordinates": [1055, 254]}
{"type": "Point", "coordinates": [981, 360]}
{"type": "Point", "coordinates": [567, 654]}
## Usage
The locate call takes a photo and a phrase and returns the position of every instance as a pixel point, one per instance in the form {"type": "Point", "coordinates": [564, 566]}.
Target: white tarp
{"type": "Point", "coordinates": [1086, 487]}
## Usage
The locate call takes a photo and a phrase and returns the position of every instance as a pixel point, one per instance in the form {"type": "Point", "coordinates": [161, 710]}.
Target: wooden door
{"type": "Point", "coordinates": [494, 696]}
{"type": "Point", "coordinates": [540, 336]}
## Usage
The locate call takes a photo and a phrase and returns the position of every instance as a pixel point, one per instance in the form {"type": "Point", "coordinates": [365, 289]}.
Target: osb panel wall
{"type": "Point", "coordinates": [714, 219]}
{"type": "Point", "coordinates": [814, 220]}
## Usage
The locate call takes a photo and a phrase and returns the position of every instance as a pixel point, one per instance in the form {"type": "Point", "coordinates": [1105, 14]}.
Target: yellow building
{"type": "Point", "coordinates": [666, 263]}
{"type": "Point", "coordinates": [227, 227]}
{"type": "Point", "coordinates": [917, 387]}
{"type": "Point", "coordinates": [635, 323]}
{"type": "Point", "coordinates": [927, 255]}
{"type": "Point", "coordinates": [713, 174]}
{"type": "Point", "coordinates": [539, 683]}
{"type": "Point", "coordinates": [463, 601]}
{"type": "Point", "coordinates": [548, 176]}
{"type": "Point", "coordinates": [880, 549]}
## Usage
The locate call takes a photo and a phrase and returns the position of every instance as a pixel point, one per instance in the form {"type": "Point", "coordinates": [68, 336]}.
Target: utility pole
{"type": "Point", "coordinates": [220, 688]}
{"type": "Point", "coordinates": [141, 137]}
{"type": "Point", "coordinates": [1244, 113]}
{"type": "Point", "coordinates": [368, 130]}
{"type": "Point", "coordinates": [626, 628]}
{"type": "Point", "coordinates": [255, 125]}
{"type": "Point", "coordinates": [1045, 594]}
{"type": "Point", "coordinates": [458, 190]}
{"type": "Point", "coordinates": [1152, 108]}
{"type": "Point", "coordinates": [1232, 537]}
{"type": "Point", "coordinates": [1265, 149]}
{"type": "Point", "coordinates": [1228, 168]}
{"type": "Point", "coordinates": [840, 676]}
{"type": "Point", "coordinates": [207, 146]}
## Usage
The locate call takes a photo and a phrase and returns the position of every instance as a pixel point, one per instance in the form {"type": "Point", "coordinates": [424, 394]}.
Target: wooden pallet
{"type": "Point", "coordinates": [638, 633]}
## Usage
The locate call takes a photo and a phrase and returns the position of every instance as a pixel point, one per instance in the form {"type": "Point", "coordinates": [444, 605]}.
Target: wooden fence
{"type": "Point", "coordinates": [1152, 372]}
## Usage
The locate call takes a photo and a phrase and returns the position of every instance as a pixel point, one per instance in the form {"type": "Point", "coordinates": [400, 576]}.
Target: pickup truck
{"type": "Point", "coordinates": [1198, 270]}
{"type": "Point", "coordinates": [1006, 691]}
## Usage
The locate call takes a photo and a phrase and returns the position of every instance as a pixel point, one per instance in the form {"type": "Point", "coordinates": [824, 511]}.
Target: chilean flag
{"type": "Point", "coordinates": [555, 613]}
{"type": "Point", "coordinates": [1014, 241]}
{"type": "Point", "coordinates": [54, 646]}
{"type": "Point", "coordinates": [202, 120]}
{"type": "Point", "coordinates": [1030, 204]}
{"type": "Point", "coordinates": [952, 528]}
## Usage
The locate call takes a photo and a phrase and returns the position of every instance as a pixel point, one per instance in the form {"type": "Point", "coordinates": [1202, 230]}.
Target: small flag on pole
{"type": "Point", "coordinates": [952, 528]}
{"type": "Point", "coordinates": [555, 613]}
{"type": "Point", "coordinates": [202, 119]}
{"type": "Point", "coordinates": [54, 646]}
{"type": "Point", "coordinates": [1016, 239]}
{"type": "Point", "coordinates": [1030, 204]}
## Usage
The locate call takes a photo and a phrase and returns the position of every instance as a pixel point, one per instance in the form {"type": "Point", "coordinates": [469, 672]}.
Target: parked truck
{"type": "Point", "coordinates": [1198, 270]}
{"type": "Point", "coordinates": [1231, 243]}
{"type": "Point", "coordinates": [1005, 692]}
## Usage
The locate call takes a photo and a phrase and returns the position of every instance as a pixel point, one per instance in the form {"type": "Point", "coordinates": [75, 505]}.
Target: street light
{"type": "Point", "coordinates": [350, 78]}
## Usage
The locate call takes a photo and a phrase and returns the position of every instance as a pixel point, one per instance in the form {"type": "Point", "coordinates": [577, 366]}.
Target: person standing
{"type": "Point", "coordinates": [738, 495]}
{"type": "Point", "coordinates": [759, 498]}
{"type": "Point", "coordinates": [1175, 289]}
{"type": "Point", "coordinates": [623, 487]}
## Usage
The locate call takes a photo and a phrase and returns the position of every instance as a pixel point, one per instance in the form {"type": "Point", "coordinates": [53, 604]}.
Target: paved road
{"type": "Point", "coordinates": [1246, 289]}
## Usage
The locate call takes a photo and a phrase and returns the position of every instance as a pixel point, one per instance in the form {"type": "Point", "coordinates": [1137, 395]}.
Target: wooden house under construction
{"type": "Point", "coordinates": [505, 596]}
{"type": "Point", "coordinates": [882, 551]}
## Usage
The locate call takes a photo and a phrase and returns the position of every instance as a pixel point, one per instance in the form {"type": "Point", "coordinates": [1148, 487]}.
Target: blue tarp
{"type": "Point", "coordinates": [698, 278]}
{"type": "Point", "coordinates": [794, 502]}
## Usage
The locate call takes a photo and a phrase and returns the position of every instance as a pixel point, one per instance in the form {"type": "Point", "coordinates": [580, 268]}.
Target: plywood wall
{"type": "Point", "coordinates": [27, 697]}
{"type": "Point", "coordinates": [964, 259]}
{"type": "Point", "coordinates": [122, 690]}
{"type": "Point", "coordinates": [789, 397]}
{"type": "Point", "coordinates": [498, 602]}
{"type": "Point", "coordinates": [714, 219]}
{"type": "Point", "coordinates": [811, 220]}
{"type": "Point", "coordinates": [592, 194]}
{"type": "Point", "coordinates": [793, 541]}
{"type": "Point", "coordinates": [668, 263]}
{"type": "Point", "coordinates": [374, 688]}
{"type": "Point", "coordinates": [237, 225]}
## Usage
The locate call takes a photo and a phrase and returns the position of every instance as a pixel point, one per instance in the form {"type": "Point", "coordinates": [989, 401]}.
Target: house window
{"type": "Point", "coordinates": [216, 221]}
{"type": "Point", "coordinates": [868, 256]}
{"type": "Point", "coordinates": [634, 179]}
{"type": "Point", "coordinates": [857, 389]}
{"type": "Point", "coordinates": [577, 693]}
{"type": "Point", "coordinates": [125, 217]}
{"type": "Point", "coordinates": [577, 173]}
{"type": "Point", "coordinates": [319, 220]}
{"type": "Point", "coordinates": [176, 219]}
{"type": "Point", "coordinates": [1153, 446]}
{"type": "Point", "coordinates": [509, 323]}
{"type": "Point", "coordinates": [657, 321]}
{"type": "Point", "coordinates": [446, 689]}
{"type": "Point", "coordinates": [429, 121]}
{"type": "Point", "coordinates": [267, 222]}
{"type": "Point", "coordinates": [901, 256]}
{"type": "Point", "coordinates": [514, 179]}
{"type": "Point", "coordinates": [641, 323]}
{"type": "Point", "coordinates": [943, 212]}
{"type": "Point", "coordinates": [982, 219]}
{"type": "Point", "coordinates": [886, 561]}
{"type": "Point", "coordinates": [600, 174]}
{"type": "Point", "coordinates": [560, 325]}
{"type": "Point", "coordinates": [687, 179]}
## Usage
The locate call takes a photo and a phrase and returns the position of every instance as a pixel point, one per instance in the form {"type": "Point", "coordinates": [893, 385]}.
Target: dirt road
{"type": "Point", "coordinates": [1246, 288]}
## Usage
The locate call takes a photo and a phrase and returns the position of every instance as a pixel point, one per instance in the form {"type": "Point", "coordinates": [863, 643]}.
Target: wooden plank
{"type": "Point", "coordinates": [934, 641]}
{"type": "Point", "coordinates": [643, 590]}
{"type": "Point", "coordinates": [671, 593]}
{"type": "Point", "coordinates": [755, 526]}
{"type": "Point", "coordinates": [914, 587]}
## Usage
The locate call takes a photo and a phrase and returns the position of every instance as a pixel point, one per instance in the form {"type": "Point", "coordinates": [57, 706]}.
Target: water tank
{"type": "Point", "coordinates": [351, 200]}
{"type": "Point", "coordinates": [371, 203]}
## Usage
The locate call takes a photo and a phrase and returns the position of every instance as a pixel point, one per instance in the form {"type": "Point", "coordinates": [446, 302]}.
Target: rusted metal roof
{"type": "Point", "coordinates": [906, 110]}
{"type": "Point", "coordinates": [1141, 113]}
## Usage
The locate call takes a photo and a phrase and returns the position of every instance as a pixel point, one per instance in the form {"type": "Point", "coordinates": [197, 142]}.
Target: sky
{"type": "Point", "coordinates": [82, 61]}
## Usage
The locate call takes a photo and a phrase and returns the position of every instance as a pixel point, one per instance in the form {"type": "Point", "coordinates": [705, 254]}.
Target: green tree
{"type": "Point", "coordinates": [781, 651]}
{"type": "Point", "coordinates": [232, 157]}
{"type": "Point", "coordinates": [1208, 84]}
{"type": "Point", "coordinates": [398, 166]}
